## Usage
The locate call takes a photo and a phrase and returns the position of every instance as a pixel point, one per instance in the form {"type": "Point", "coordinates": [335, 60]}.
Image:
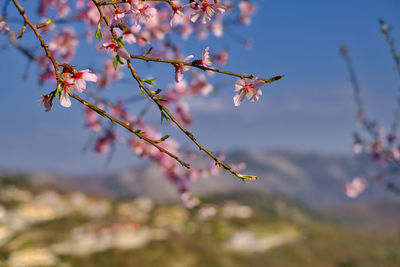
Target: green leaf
{"type": "Point", "coordinates": [150, 81]}
{"type": "Point", "coordinates": [163, 116]}
{"type": "Point", "coordinates": [247, 177]}
{"type": "Point", "coordinates": [120, 60]}
{"type": "Point", "coordinates": [98, 32]}
{"type": "Point", "coordinates": [148, 52]}
{"type": "Point", "coordinates": [165, 137]}
{"type": "Point", "coordinates": [156, 92]}
{"type": "Point", "coordinates": [160, 99]}
{"type": "Point", "coordinates": [115, 62]}
{"type": "Point", "coordinates": [22, 32]}
{"type": "Point", "coordinates": [143, 93]}
{"type": "Point", "coordinates": [120, 42]}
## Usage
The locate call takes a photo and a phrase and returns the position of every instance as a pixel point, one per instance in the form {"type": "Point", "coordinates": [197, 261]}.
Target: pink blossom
{"type": "Point", "coordinates": [79, 78]}
{"type": "Point", "coordinates": [176, 10]}
{"type": "Point", "coordinates": [118, 110]}
{"type": "Point", "coordinates": [217, 26]}
{"type": "Point", "coordinates": [64, 44]}
{"type": "Point", "coordinates": [4, 26]}
{"type": "Point", "coordinates": [91, 14]}
{"type": "Point", "coordinates": [189, 201]}
{"type": "Point", "coordinates": [182, 113]}
{"type": "Point", "coordinates": [128, 35]}
{"type": "Point", "coordinates": [205, 59]}
{"type": "Point", "coordinates": [246, 10]}
{"type": "Point", "coordinates": [180, 69]}
{"type": "Point", "coordinates": [354, 188]}
{"type": "Point", "coordinates": [61, 6]}
{"type": "Point", "coordinates": [118, 17]}
{"type": "Point", "coordinates": [176, 91]}
{"type": "Point", "coordinates": [46, 102]}
{"type": "Point", "coordinates": [114, 47]}
{"type": "Point", "coordinates": [221, 57]}
{"type": "Point", "coordinates": [103, 143]}
{"type": "Point", "coordinates": [143, 12]}
{"type": "Point", "coordinates": [64, 97]}
{"type": "Point", "coordinates": [208, 8]}
{"type": "Point", "coordinates": [200, 85]}
{"type": "Point", "coordinates": [250, 89]}
{"type": "Point", "coordinates": [92, 119]}
{"type": "Point", "coordinates": [109, 75]}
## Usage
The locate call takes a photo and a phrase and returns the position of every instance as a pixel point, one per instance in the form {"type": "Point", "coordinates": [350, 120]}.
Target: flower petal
{"type": "Point", "coordinates": [64, 99]}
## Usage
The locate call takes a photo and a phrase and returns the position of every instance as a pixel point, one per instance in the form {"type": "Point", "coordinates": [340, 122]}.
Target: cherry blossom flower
{"type": "Point", "coordinates": [115, 47]}
{"type": "Point", "coordinates": [189, 201]}
{"type": "Point", "coordinates": [250, 89]}
{"type": "Point", "coordinates": [4, 26]}
{"type": "Point", "coordinates": [118, 110]}
{"type": "Point", "coordinates": [109, 74]}
{"type": "Point", "coordinates": [246, 10]}
{"type": "Point", "coordinates": [176, 10]}
{"type": "Point", "coordinates": [205, 59]}
{"type": "Point", "coordinates": [180, 69]}
{"type": "Point", "coordinates": [118, 17]}
{"type": "Point", "coordinates": [208, 8]}
{"type": "Point", "coordinates": [46, 102]}
{"type": "Point", "coordinates": [128, 35]}
{"type": "Point", "coordinates": [92, 119]}
{"type": "Point", "coordinates": [64, 97]}
{"type": "Point", "coordinates": [182, 113]}
{"type": "Point", "coordinates": [221, 57]}
{"type": "Point", "coordinates": [103, 143]}
{"type": "Point", "coordinates": [200, 85]}
{"type": "Point", "coordinates": [61, 6]}
{"type": "Point", "coordinates": [143, 12]}
{"type": "Point", "coordinates": [79, 78]}
{"type": "Point", "coordinates": [354, 188]}
{"type": "Point", "coordinates": [64, 44]}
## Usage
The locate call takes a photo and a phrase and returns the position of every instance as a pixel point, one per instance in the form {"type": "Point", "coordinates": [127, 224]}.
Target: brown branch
{"type": "Point", "coordinates": [126, 125]}
{"type": "Point", "coordinates": [101, 112]}
{"type": "Point", "coordinates": [186, 132]}
{"type": "Point", "coordinates": [204, 68]}
{"type": "Point", "coordinates": [42, 42]}
{"type": "Point", "coordinates": [170, 116]}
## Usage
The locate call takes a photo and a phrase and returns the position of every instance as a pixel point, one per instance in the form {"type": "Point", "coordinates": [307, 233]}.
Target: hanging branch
{"type": "Point", "coordinates": [166, 111]}
{"type": "Point", "coordinates": [98, 110]}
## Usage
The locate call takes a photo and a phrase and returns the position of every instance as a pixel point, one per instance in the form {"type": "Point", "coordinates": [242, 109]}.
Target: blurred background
{"type": "Point", "coordinates": [61, 205]}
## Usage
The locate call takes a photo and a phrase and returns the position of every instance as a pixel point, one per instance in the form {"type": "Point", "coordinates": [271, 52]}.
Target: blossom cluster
{"type": "Point", "coordinates": [118, 30]}
{"type": "Point", "coordinates": [372, 139]}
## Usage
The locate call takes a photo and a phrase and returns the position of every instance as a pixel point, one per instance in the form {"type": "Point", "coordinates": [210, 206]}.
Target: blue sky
{"type": "Point", "coordinates": [310, 109]}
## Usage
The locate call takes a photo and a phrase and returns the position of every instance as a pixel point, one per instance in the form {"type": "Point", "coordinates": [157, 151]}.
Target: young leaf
{"type": "Point", "coordinates": [98, 32]}
{"type": "Point", "coordinates": [120, 42]}
{"type": "Point", "coordinates": [150, 81]}
{"type": "Point", "coordinates": [120, 60]}
{"type": "Point", "coordinates": [115, 62]}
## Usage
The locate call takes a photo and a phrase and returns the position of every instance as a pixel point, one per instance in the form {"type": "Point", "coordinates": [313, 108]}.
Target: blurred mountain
{"type": "Point", "coordinates": [313, 179]}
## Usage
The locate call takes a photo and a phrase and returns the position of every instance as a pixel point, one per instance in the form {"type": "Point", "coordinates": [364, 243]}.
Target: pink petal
{"type": "Point", "coordinates": [88, 76]}
{"type": "Point", "coordinates": [240, 83]}
{"type": "Point", "coordinates": [238, 98]}
{"type": "Point", "coordinates": [194, 17]}
{"type": "Point", "coordinates": [64, 99]}
{"type": "Point", "coordinates": [122, 52]}
{"type": "Point", "coordinates": [178, 75]}
{"type": "Point", "coordinates": [80, 85]}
